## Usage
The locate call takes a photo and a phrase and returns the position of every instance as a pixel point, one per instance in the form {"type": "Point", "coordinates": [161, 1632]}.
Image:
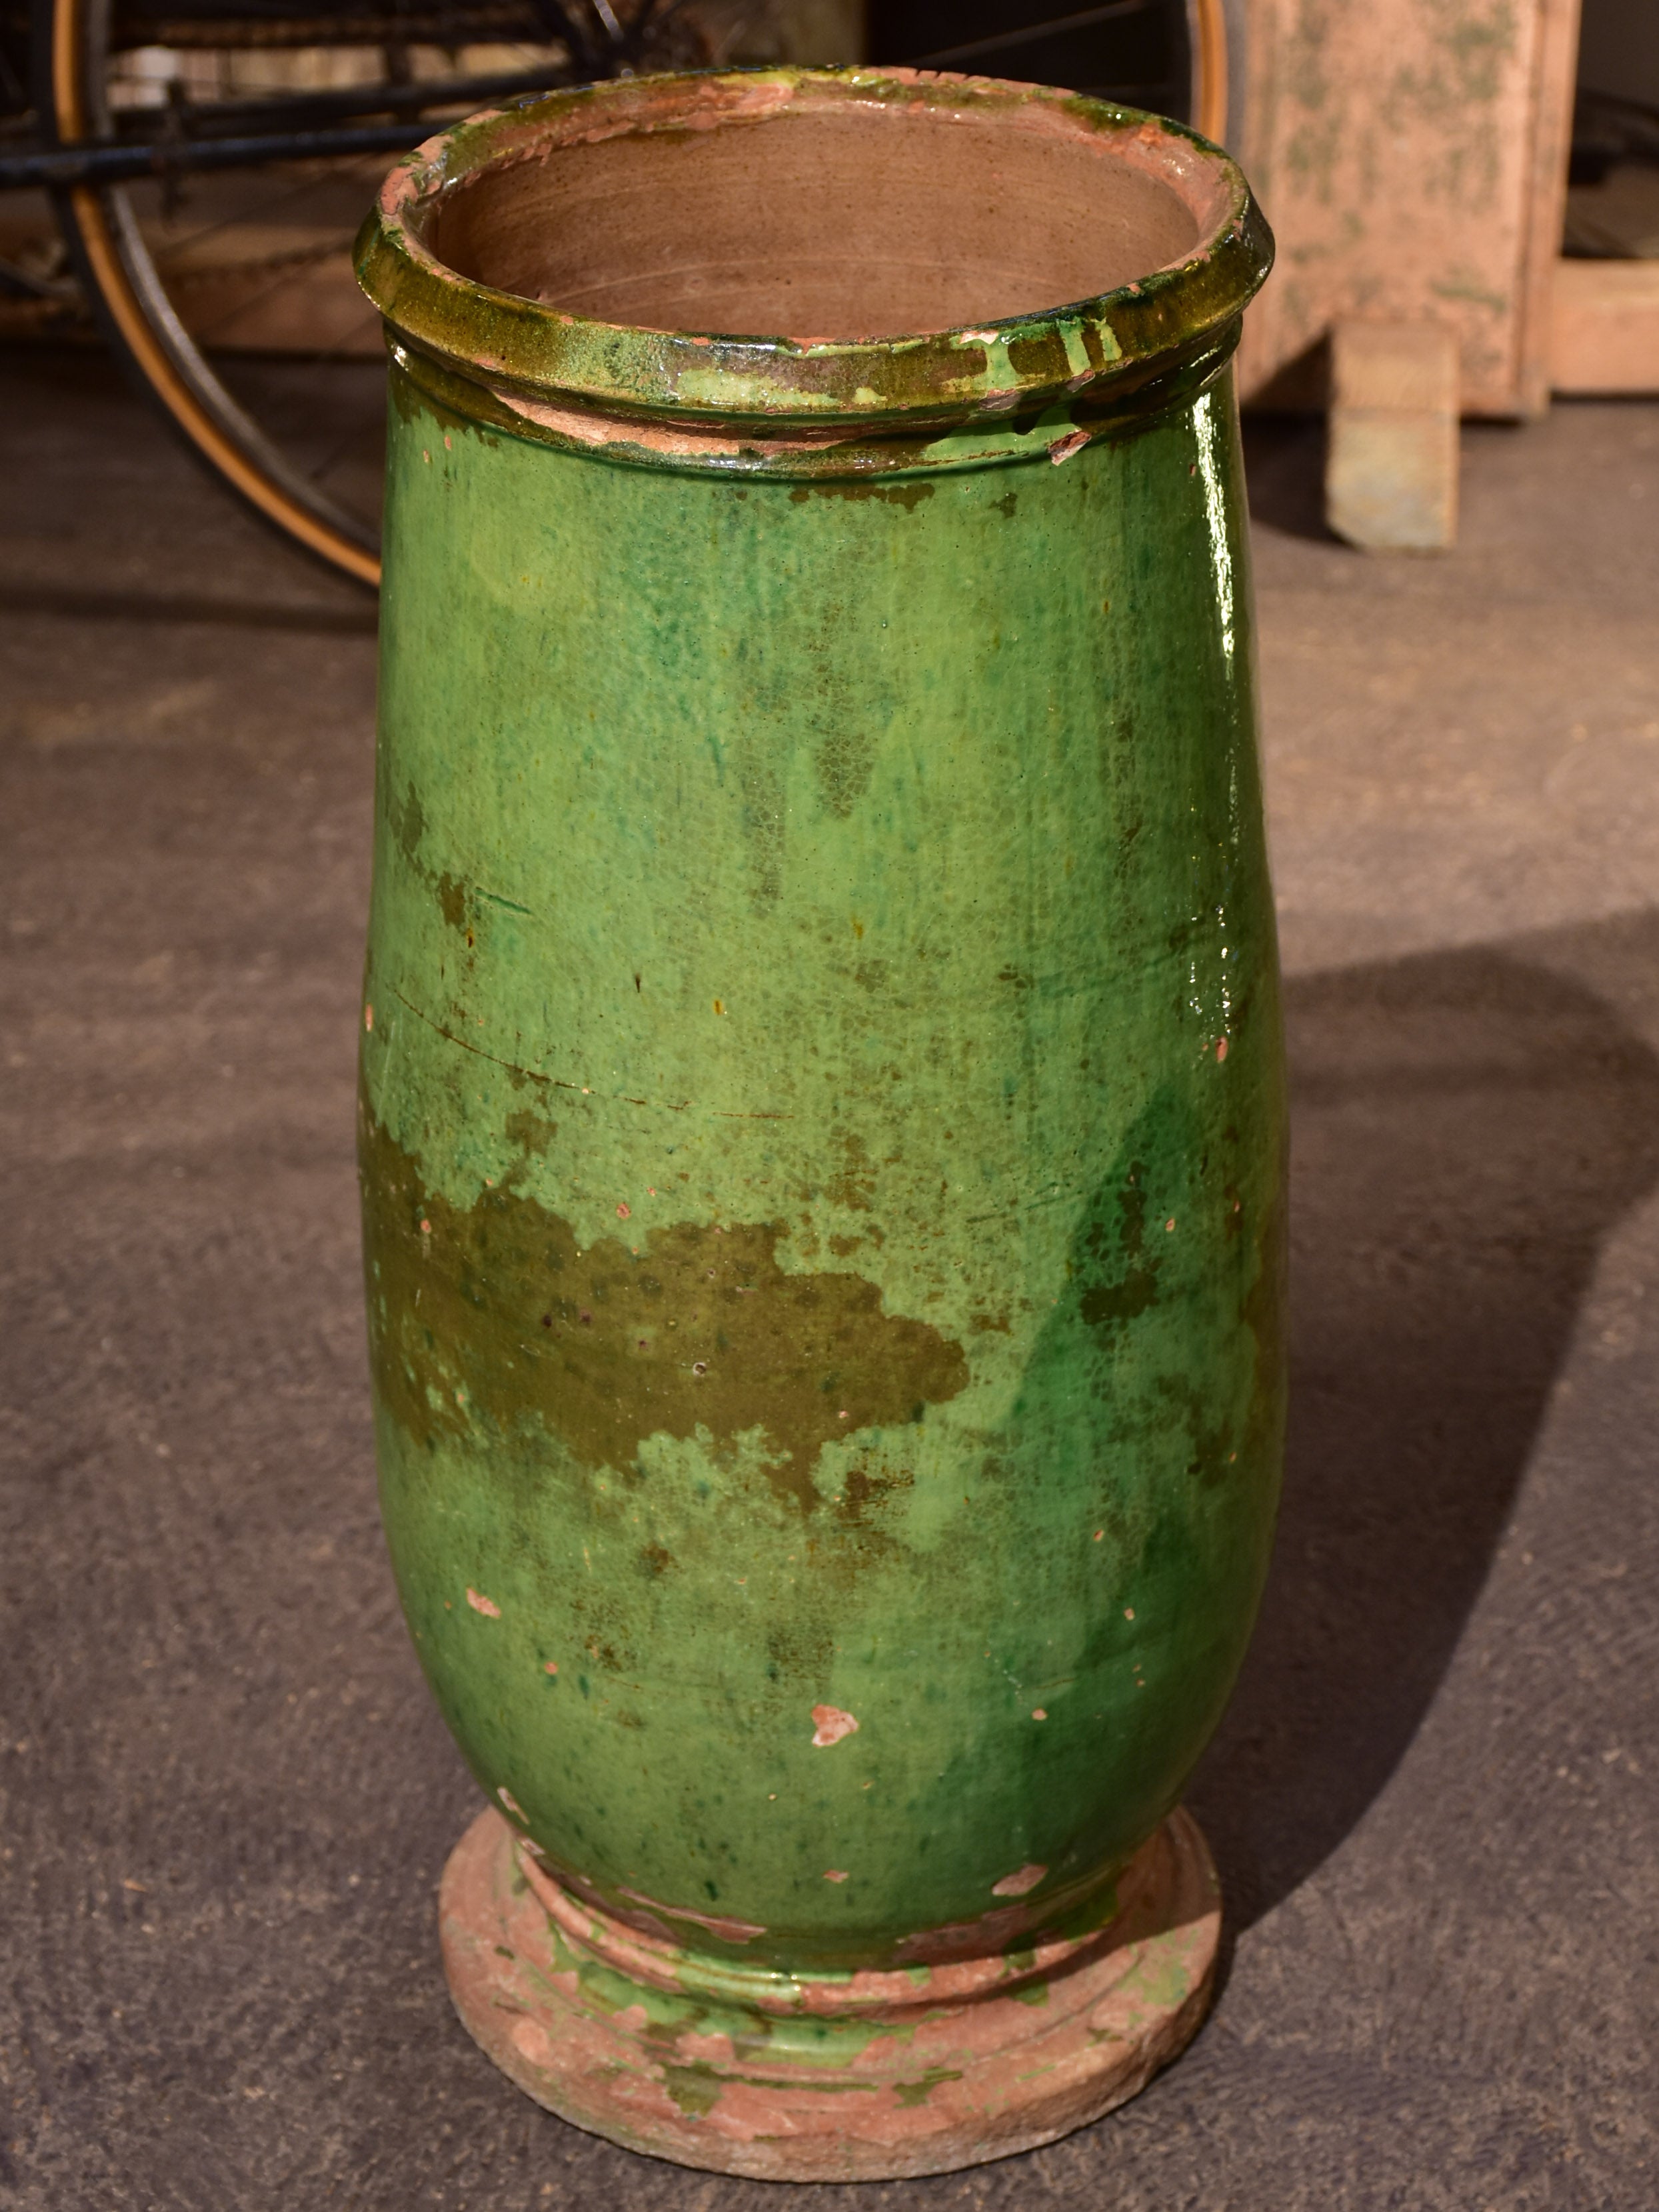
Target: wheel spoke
{"type": "Point", "coordinates": [1030, 34]}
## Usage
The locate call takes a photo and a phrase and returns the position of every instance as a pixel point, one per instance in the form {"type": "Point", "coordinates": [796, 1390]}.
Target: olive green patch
{"type": "Point", "coordinates": [695, 2089]}
{"type": "Point", "coordinates": [494, 1312]}
{"type": "Point", "coordinates": [918, 2093]}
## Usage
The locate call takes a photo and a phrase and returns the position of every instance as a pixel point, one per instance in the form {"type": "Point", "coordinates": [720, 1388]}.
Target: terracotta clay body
{"type": "Point", "coordinates": [821, 1101]}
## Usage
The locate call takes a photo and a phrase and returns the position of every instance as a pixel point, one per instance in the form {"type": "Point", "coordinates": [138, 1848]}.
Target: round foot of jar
{"type": "Point", "coordinates": [782, 2078]}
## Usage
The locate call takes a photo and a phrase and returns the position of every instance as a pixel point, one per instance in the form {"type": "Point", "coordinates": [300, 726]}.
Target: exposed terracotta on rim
{"type": "Point", "coordinates": [1059, 244]}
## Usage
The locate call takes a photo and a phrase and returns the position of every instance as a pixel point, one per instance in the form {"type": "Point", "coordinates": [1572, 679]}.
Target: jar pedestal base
{"type": "Point", "coordinates": [873, 2080]}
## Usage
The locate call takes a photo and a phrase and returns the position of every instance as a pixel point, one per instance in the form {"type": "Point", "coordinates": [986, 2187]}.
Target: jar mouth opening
{"type": "Point", "coordinates": [653, 242]}
{"type": "Point", "coordinates": [821, 219]}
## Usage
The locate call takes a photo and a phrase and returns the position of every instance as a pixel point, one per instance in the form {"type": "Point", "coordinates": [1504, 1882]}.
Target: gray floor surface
{"type": "Point", "coordinates": [225, 1794]}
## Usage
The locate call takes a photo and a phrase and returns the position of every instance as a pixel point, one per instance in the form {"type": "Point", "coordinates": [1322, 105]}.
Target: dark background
{"type": "Point", "coordinates": [1135, 51]}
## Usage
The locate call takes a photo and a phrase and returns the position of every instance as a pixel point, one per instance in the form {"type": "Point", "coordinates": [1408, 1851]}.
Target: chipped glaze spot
{"type": "Point", "coordinates": [480, 1603]}
{"type": "Point", "coordinates": [729, 1929]}
{"type": "Point", "coordinates": [830, 1725]}
{"type": "Point", "coordinates": [715, 2048]}
{"type": "Point", "coordinates": [1017, 1884]}
{"type": "Point", "coordinates": [531, 2041]}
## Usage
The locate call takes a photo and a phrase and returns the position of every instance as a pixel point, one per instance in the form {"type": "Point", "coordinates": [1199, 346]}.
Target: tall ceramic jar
{"type": "Point", "coordinates": [822, 1128]}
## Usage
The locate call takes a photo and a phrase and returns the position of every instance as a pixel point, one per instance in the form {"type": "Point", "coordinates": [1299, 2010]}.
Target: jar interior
{"type": "Point", "coordinates": [854, 221]}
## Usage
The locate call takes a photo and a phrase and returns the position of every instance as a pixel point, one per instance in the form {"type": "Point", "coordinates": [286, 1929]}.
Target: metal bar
{"type": "Point", "coordinates": [1032, 33]}
{"type": "Point", "coordinates": [282, 24]}
{"type": "Point", "coordinates": [378, 99]}
{"type": "Point", "coordinates": [60, 167]}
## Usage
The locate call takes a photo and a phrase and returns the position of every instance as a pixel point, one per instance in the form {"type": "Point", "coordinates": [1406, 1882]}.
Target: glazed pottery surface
{"type": "Point", "coordinates": [822, 1108]}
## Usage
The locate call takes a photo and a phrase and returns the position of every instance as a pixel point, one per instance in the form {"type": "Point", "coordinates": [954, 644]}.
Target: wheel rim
{"type": "Point", "coordinates": [124, 276]}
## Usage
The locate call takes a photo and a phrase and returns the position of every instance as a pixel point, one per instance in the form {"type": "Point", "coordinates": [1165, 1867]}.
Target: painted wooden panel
{"type": "Point", "coordinates": [1411, 156]}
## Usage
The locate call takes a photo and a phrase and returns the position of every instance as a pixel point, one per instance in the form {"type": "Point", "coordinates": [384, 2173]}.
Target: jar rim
{"type": "Point", "coordinates": [1073, 355]}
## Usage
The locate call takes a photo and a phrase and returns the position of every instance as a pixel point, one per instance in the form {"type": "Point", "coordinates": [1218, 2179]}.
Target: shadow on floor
{"type": "Point", "coordinates": [1467, 1129]}
{"type": "Point", "coordinates": [1285, 471]}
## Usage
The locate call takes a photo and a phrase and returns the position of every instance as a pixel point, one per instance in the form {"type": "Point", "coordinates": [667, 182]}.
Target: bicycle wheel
{"type": "Point", "coordinates": [229, 291]}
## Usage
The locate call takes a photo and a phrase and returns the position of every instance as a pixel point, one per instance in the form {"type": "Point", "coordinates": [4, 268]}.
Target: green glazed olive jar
{"type": "Point", "coordinates": [823, 1128]}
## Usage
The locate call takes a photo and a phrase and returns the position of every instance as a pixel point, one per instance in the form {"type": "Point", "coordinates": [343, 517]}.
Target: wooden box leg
{"type": "Point", "coordinates": [1391, 464]}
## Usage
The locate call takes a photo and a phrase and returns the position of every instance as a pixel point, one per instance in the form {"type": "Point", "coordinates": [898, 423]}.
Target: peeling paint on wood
{"type": "Point", "coordinates": [1411, 156]}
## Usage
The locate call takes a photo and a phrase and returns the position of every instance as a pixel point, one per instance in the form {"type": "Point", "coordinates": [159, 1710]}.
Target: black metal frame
{"type": "Point", "coordinates": [204, 135]}
{"type": "Point", "coordinates": [104, 162]}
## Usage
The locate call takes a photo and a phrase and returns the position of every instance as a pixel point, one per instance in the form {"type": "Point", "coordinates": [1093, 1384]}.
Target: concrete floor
{"type": "Point", "coordinates": [227, 1795]}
